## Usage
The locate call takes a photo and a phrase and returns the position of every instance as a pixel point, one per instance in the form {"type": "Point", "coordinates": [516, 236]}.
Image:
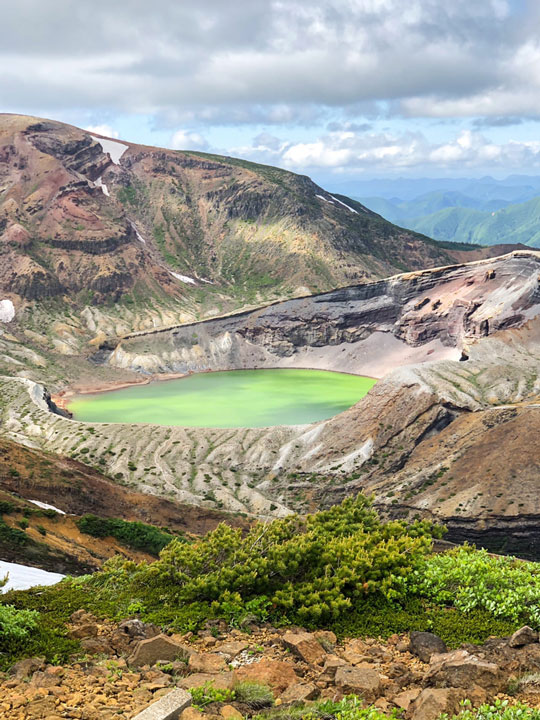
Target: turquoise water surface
{"type": "Point", "coordinates": [237, 398]}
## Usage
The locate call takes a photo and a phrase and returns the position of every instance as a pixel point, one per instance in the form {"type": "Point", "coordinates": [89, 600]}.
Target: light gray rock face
{"type": "Point", "coordinates": [169, 707]}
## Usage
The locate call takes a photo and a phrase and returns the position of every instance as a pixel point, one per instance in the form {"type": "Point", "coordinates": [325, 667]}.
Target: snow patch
{"type": "Point", "coordinates": [113, 147]}
{"type": "Point", "coordinates": [22, 577]}
{"type": "Point", "coordinates": [321, 197]}
{"type": "Point", "coordinates": [138, 234]}
{"type": "Point", "coordinates": [100, 184]}
{"type": "Point", "coordinates": [7, 311]}
{"type": "Point", "coordinates": [183, 278]}
{"type": "Point", "coordinates": [46, 506]}
{"type": "Point", "coordinates": [344, 205]}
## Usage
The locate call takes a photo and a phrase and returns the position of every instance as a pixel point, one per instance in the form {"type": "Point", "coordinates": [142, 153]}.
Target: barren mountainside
{"type": "Point", "coordinates": [88, 220]}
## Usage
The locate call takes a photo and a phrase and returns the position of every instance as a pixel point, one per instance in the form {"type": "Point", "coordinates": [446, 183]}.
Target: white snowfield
{"type": "Point", "coordinates": [345, 205]}
{"type": "Point", "coordinates": [183, 278]}
{"type": "Point", "coordinates": [22, 577]}
{"type": "Point", "coordinates": [46, 506]}
{"type": "Point", "coordinates": [113, 147]}
{"type": "Point", "coordinates": [7, 311]}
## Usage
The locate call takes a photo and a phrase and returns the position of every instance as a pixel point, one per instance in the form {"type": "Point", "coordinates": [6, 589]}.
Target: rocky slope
{"type": "Point", "coordinates": [128, 667]}
{"type": "Point", "coordinates": [86, 221]}
{"type": "Point", "coordinates": [458, 349]}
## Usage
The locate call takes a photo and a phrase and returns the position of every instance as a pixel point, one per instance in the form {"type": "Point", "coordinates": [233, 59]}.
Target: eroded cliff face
{"type": "Point", "coordinates": [366, 329]}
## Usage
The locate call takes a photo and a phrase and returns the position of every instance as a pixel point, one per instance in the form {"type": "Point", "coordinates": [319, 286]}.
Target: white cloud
{"type": "Point", "coordinates": [350, 151]}
{"type": "Point", "coordinates": [105, 130]}
{"type": "Point", "coordinates": [185, 140]}
{"type": "Point", "coordinates": [271, 61]}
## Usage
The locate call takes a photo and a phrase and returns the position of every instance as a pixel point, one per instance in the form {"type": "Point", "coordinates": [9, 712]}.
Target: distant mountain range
{"type": "Point", "coordinates": [483, 212]}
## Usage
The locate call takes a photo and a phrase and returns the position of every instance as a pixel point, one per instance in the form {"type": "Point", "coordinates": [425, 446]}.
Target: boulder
{"type": "Point", "coordinates": [433, 702]}
{"type": "Point", "coordinates": [299, 692]}
{"type": "Point", "coordinates": [169, 707]}
{"type": "Point", "coordinates": [461, 669]}
{"type": "Point", "coordinates": [524, 636]}
{"type": "Point", "coordinates": [85, 630]}
{"type": "Point", "coordinates": [206, 663]}
{"type": "Point", "coordinates": [277, 674]}
{"type": "Point", "coordinates": [426, 644]}
{"type": "Point", "coordinates": [359, 681]}
{"type": "Point", "coordinates": [305, 646]}
{"type": "Point", "coordinates": [160, 647]}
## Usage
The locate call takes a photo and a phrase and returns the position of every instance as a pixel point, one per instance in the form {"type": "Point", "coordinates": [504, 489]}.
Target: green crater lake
{"type": "Point", "coordinates": [238, 398]}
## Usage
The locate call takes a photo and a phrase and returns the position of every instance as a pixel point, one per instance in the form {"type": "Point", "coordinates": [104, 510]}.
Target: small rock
{"type": "Point", "coordinates": [299, 693]}
{"type": "Point", "coordinates": [524, 636]}
{"type": "Point", "coordinates": [228, 712]}
{"type": "Point", "coordinates": [426, 644]}
{"type": "Point", "coordinates": [161, 647]}
{"type": "Point", "coordinates": [461, 669]}
{"type": "Point", "coordinates": [277, 674]}
{"type": "Point", "coordinates": [86, 630]}
{"type": "Point", "coordinates": [359, 681]}
{"type": "Point", "coordinates": [223, 681]}
{"type": "Point", "coordinates": [433, 702]}
{"type": "Point", "coordinates": [169, 707]}
{"type": "Point", "coordinates": [206, 663]}
{"type": "Point", "coordinates": [404, 699]}
{"type": "Point", "coordinates": [230, 650]}
{"type": "Point", "coordinates": [305, 646]}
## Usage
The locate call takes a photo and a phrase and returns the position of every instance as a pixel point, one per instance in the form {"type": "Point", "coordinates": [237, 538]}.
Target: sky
{"type": "Point", "coordinates": [337, 89]}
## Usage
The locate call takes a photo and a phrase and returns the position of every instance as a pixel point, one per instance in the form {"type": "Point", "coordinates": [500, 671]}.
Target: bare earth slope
{"type": "Point", "coordinates": [171, 236]}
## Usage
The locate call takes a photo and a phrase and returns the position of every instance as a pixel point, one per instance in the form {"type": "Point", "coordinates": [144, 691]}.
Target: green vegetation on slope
{"type": "Point", "coordinates": [342, 569]}
{"type": "Point", "coordinates": [136, 535]}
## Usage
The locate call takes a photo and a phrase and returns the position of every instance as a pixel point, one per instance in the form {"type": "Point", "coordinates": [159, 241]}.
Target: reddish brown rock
{"type": "Point", "coordinates": [305, 646]}
{"type": "Point", "coordinates": [461, 669]}
{"type": "Point", "coordinates": [359, 681]}
{"type": "Point", "coordinates": [299, 692]}
{"type": "Point", "coordinates": [223, 681]}
{"type": "Point", "coordinates": [277, 674]}
{"type": "Point", "coordinates": [433, 702]}
{"type": "Point", "coordinates": [206, 663]}
{"type": "Point", "coordinates": [161, 647]}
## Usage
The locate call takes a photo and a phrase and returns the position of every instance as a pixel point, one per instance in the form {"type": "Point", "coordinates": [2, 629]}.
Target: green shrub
{"type": "Point", "coordinates": [136, 535]}
{"type": "Point", "coordinates": [315, 568]}
{"type": "Point", "coordinates": [15, 626]}
{"type": "Point", "coordinates": [499, 710]}
{"type": "Point", "coordinates": [41, 530]}
{"type": "Point", "coordinates": [6, 507]}
{"type": "Point", "coordinates": [207, 693]}
{"type": "Point", "coordinates": [254, 694]}
{"type": "Point", "coordinates": [471, 579]}
{"type": "Point", "coordinates": [350, 708]}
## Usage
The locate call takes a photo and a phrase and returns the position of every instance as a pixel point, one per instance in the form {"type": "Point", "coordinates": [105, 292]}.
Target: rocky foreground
{"type": "Point", "coordinates": [129, 666]}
